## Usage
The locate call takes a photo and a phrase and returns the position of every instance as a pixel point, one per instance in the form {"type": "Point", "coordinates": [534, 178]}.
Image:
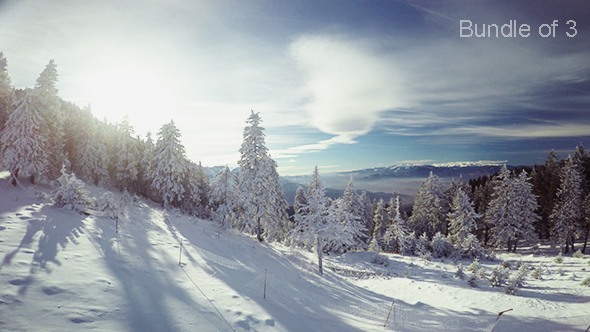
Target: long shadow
{"type": "Point", "coordinates": [145, 292]}
{"type": "Point", "coordinates": [291, 293]}
{"type": "Point", "coordinates": [62, 228]}
{"type": "Point", "coordinates": [304, 301]}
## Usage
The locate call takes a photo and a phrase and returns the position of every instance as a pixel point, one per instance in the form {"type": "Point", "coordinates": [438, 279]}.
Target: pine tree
{"type": "Point", "coordinates": [430, 207]}
{"type": "Point", "coordinates": [462, 218]}
{"type": "Point", "coordinates": [568, 209]}
{"type": "Point", "coordinates": [50, 109]}
{"type": "Point", "coordinates": [367, 214]}
{"type": "Point", "coordinates": [546, 185]}
{"type": "Point", "coordinates": [396, 236]}
{"type": "Point", "coordinates": [71, 193]}
{"type": "Point", "coordinates": [587, 220]}
{"type": "Point", "coordinates": [125, 156]}
{"type": "Point", "coordinates": [222, 197]}
{"type": "Point", "coordinates": [261, 201]}
{"type": "Point", "coordinates": [381, 222]}
{"type": "Point", "coordinates": [512, 210]}
{"type": "Point", "coordinates": [191, 183]}
{"type": "Point", "coordinates": [300, 199]}
{"type": "Point", "coordinates": [349, 210]}
{"type": "Point", "coordinates": [167, 168]}
{"type": "Point", "coordinates": [7, 95]}
{"type": "Point", "coordinates": [25, 140]}
{"type": "Point", "coordinates": [314, 226]}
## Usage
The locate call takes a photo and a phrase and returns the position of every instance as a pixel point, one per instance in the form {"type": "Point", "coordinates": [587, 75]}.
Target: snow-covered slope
{"type": "Point", "coordinates": [62, 271]}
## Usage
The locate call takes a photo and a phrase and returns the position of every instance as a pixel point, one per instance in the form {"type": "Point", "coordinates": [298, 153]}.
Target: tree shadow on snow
{"type": "Point", "coordinates": [145, 282]}
{"type": "Point", "coordinates": [58, 230]}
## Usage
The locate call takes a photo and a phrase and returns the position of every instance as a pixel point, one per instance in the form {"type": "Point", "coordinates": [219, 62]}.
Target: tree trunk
{"type": "Point", "coordinates": [586, 237]}
{"type": "Point", "coordinates": [32, 179]}
{"type": "Point", "coordinates": [15, 176]}
{"type": "Point", "coordinates": [259, 231]}
{"type": "Point", "coordinates": [320, 248]}
{"type": "Point", "coordinates": [509, 245]}
{"type": "Point", "coordinates": [515, 245]}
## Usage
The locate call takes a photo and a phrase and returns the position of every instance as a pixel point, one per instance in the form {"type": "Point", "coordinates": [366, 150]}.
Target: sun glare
{"type": "Point", "coordinates": [129, 90]}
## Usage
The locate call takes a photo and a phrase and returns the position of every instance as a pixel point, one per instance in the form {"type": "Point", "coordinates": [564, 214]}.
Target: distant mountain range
{"type": "Point", "coordinates": [381, 182]}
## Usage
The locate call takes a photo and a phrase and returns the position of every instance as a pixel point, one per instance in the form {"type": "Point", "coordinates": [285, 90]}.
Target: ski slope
{"type": "Point", "coordinates": [62, 271]}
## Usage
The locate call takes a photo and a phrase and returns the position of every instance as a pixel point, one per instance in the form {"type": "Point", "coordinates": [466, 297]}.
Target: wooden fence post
{"type": "Point", "coordinates": [264, 296]}
{"type": "Point", "coordinates": [389, 313]}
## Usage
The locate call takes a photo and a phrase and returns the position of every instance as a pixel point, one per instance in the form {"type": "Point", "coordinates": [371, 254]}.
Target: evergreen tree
{"type": "Point", "coordinates": [191, 183]}
{"type": "Point", "coordinates": [512, 210]}
{"type": "Point", "coordinates": [462, 218]}
{"type": "Point", "coordinates": [146, 153]}
{"type": "Point", "coordinates": [349, 211]}
{"type": "Point", "coordinates": [300, 200]}
{"type": "Point", "coordinates": [222, 197]}
{"type": "Point", "coordinates": [7, 95]}
{"type": "Point", "coordinates": [381, 222]}
{"type": "Point", "coordinates": [168, 167]}
{"type": "Point", "coordinates": [314, 226]}
{"type": "Point", "coordinates": [25, 140]}
{"type": "Point", "coordinates": [430, 207]}
{"type": "Point", "coordinates": [587, 220]}
{"type": "Point", "coordinates": [568, 209]}
{"type": "Point", "coordinates": [367, 214]}
{"type": "Point", "coordinates": [260, 196]}
{"type": "Point", "coordinates": [546, 180]}
{"type": "Point", "coordinates": [71, 193]}
{"type": "Point", "coordinates": [50, 109]}
{"type": "Point", "coordinates": [125, 156]}
{"type": "Point", "coordinates": [396, 236]}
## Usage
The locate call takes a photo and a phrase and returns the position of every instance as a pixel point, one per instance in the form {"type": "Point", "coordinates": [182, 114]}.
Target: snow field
{"type": "Point", "coordinates": [64, 271]}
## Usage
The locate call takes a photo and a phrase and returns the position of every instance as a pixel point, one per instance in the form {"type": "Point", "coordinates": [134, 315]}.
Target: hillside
{"type": "Point", "coordinates": [403, 179]}
{"type": "Point", "coordinates": [62, 271]}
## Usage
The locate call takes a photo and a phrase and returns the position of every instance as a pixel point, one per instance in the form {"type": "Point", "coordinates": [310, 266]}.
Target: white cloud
{"type": "Point", "coordinates": [348, 85]}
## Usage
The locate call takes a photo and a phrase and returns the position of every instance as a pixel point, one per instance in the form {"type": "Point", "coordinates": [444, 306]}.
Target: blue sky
{"type": "Point", "coordinates": [339, 84]}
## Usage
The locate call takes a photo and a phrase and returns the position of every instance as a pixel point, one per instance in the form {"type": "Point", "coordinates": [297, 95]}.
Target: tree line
{"type": "Point", "coordinates": [44, 137]}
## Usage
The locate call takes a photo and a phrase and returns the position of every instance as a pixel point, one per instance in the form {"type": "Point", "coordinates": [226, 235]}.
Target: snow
{"type": "Point", "coordinates": [63, 271]}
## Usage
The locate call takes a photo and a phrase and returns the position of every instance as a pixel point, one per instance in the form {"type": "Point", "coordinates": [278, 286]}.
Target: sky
{"type": "Point", "coordinates": [339, 84]}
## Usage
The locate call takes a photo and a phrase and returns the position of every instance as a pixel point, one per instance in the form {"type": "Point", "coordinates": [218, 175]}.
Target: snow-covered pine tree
{"type": "Point", "coordinates": [430, 207]}
{"type": "Point", "coordinates": [314, 227]}
{"type": "Point", "coordinates": [441, 246]}
{"type": "Point", "coordinates": [381, 222]}
{"type": "Point", "coordinates": [50, 109]}
{"type": "Point", "coordinates": [145, 150]}
{"type": "Point", "coordinates": [396, 236]}
{"type": "Point", "coordinates": [125, 157]}
{"type": "Point", "coordinates": [348, 210]}
{"type": "Point", "coordinates": [202, 179]}
{"type": "Point", "coordinates": [222, 197]}
{"type": "Point", "coordinates": [100, 168]}
{"type": "Point", "coordinates": [191, 200]}
{"type": "Point", "coordinates": [367, 214]}
{"type": "Point", "coordinates": [71, 193]}
{"type": "Point", "coordinates": [512, 210]}
{"type": "Point", "coordinates": [587, 220]}
{"type": "Point", "coordinates": [462, 218]}
{"type": "Point", "coordinates": [277, 223]}
{"type": "Point", "coordinates": [167, 167]}
{"type": "Point", "coordinates": [7, 96]}
{"type": "Point", "coordinates": [568, 209]}
{"type": "Point", "coordinates": [260, 199]}
{"type": "Point", "coordinates": [300, 199]}
{"type": "Point", "coordinates": [24, 141]}
{"type": "Point", "coordinates": [546, 181]}
{"type": "Point", "coordinates": [81, 142]}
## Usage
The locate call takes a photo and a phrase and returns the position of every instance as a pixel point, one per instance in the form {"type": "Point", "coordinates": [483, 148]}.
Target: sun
{"type": "Point", "coordinates": [128, 90]}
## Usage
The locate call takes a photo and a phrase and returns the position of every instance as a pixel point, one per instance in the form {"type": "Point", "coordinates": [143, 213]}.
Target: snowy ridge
{"type": "Point", "coordinates": [65, 271]}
